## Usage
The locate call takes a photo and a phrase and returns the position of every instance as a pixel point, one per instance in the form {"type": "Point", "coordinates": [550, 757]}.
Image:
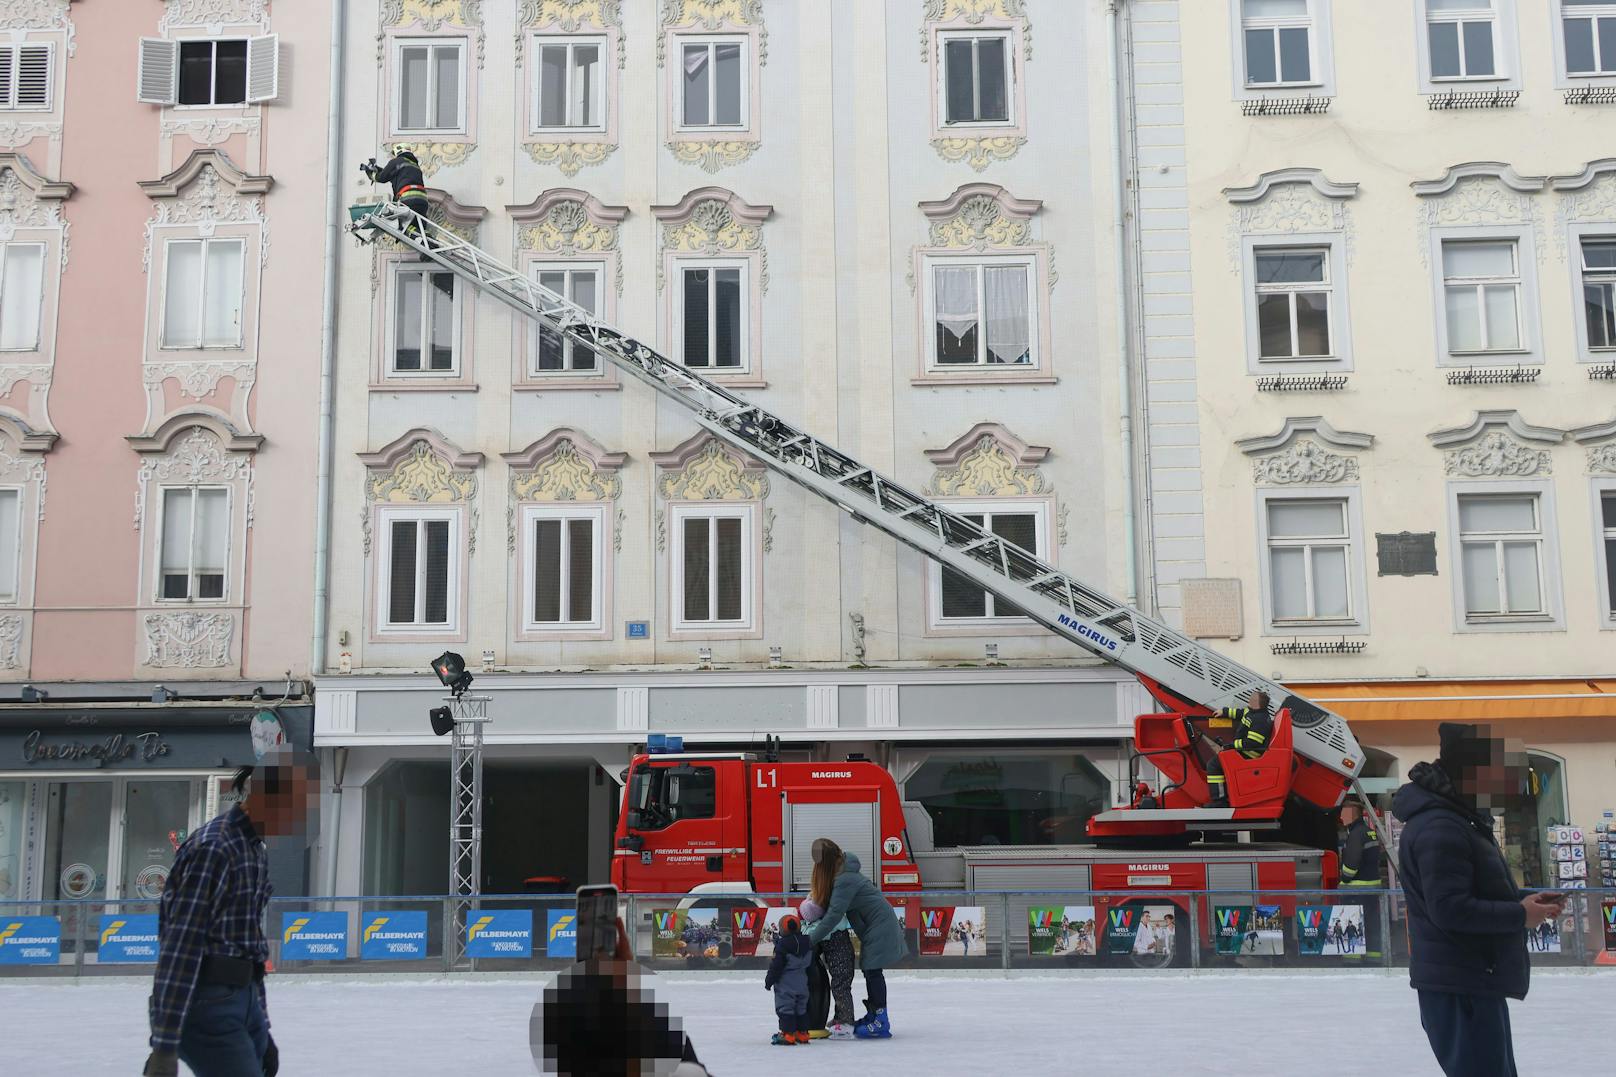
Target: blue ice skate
{"type": "Point", "coordinates": [873, 1026]}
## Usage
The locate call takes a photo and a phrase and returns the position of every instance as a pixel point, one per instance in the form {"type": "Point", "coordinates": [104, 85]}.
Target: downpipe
{"type": "Point", "coordinates": [328, 333]}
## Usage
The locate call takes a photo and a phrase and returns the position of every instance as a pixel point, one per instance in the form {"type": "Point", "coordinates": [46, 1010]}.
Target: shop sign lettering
{"type": "Point", "coordinates": [117, 748]}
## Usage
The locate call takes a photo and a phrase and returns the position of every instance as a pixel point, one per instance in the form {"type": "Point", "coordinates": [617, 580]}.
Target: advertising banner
{"type": "Point", "coordinates": [393, 936]}
{"type": "Point", "coordinates": [686, 933]}
{"type": "Point", "coordinates": [30, 940]}
{"type": "Point", "coordinates": [314, 936]}
{"type": "Point", "coordinates": [1140, 929]}
{"type": "Point", "coordinates": [1607, 916]}
{"type": "Point", "coordinates": [1329, 930]}
{"type": "Point", "coordinates": [1230, 923]}
{"type": "Point", "coordinates": [952, 930]}
{"type": "Point", "coordinates": [499, 933]}
{"type": "Point", "coordinates": [561, 933]}
{"type": "Point", "coordinates": [129, 938]}
{"type": "Point", "coordinates": [1058, 930]}
{"type": "Point", "coordinates": [1545, 938]}
{"type": "Point", "coordinates": [754, 931]}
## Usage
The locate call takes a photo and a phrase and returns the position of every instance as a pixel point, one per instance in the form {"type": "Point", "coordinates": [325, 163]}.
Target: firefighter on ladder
{"type": "Point", "coordinates": [1253, 725]}
{"type": "Point", "coordinates": [409, 184]}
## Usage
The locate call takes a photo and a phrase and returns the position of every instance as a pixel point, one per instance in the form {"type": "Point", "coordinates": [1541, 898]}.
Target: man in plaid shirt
{"type": "Point", "coordinates": [208, 1004]}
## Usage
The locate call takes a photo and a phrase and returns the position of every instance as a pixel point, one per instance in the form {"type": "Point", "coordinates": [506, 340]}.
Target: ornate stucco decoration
{"type": "Point", "coordinates": [564, 465]}
{"type": "Point", "coordinates": [564, 222]}
{"type": "Point", "coordinates": [1602, 459]}
{"type": "Point", "coordinates": [436, 156]}
{"type": "Point", "coordinates": [1299, 454]}
{"type": "Point", "coordinates": [1496, 444]}
{"type": "Point", "coordinates": [1589, 195]}
{"type": "Point", "coordinates": [978, 151]}
{"type": "Point", "coordinates": [704, 469]}
{"type": "Point", "coordinates": [977, 146]}
{"type": "Point", "coordinates": [420, 467]}
{"type": "Point", "coordinates": [10, 641]}
{"type": "Point", "coordinates": [430, 16]}
{"type": "Point", "coordinates": [1290, 201]}
{"type": "Point", "coordinates": [207, 191]}
{"type": "Point", "coordinates": [189, 639]}
{"type": "Point", "coordinates": [215, 15]}
{"type": "Point", "coordinates": [982, 217]}
{"type": "Point", "coordinates": [194, 449]}
{"type": "Point", "coordinates": [28, 200]}
{"type": "Point", "coordinates": [198, 380]}
{"type": "Point", "coordinates": [987, 461]}
{"type": "Point", "coordinates": [713, 16]}
{"type": "Point", "coordinates": [22, 469]}
{"type": "Point", "coordinates": [712, 222]}
{"type": "Point", "coordinates": [1478, 192]}
{"type": "Point", "coordinates": [39, 15]}
{"type": "Point", "coordinates": [213, 131]}
{"type": "Point", "coordinates": [975, 13]}
{"type": "Point", "coordinates": [713, 150]}
{"type": "Point", "coordinates": [570, 154]}
{"type": "Point", "coordinates": [1601, 442]}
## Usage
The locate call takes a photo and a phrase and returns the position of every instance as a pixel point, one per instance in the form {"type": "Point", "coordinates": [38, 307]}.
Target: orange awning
{"type": "Point", "coordinates": [1468, 701]}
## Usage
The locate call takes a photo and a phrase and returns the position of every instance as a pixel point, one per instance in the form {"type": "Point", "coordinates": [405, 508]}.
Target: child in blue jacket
{"type": "Point", "coordinates": [788, 978]}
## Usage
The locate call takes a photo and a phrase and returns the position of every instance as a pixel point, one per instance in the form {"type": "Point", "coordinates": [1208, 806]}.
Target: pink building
{"type": "Point", "coordinates": [162, 194]}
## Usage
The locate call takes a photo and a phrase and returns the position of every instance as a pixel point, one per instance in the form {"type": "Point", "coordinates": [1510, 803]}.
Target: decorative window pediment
{"type": "Point", "coordinates": [987, 461]}
{"type": "Point", "coordinates": [712, 148]}
{"type": "Point", "coordinates": [215, 15]}
{"type": "Point", "coordinates": [571, 150]}
{"type": "Point", "coordinates": [1496, 445]}
{"type": "Point", "coordinates": [186, 424]}
{"type": "Point", "coordinates": [702, 468]}
{"type": "Point", "coordinates": [980, 217]}
{"type": "Point", "coordinates": [565, 222]}
{"type": "Point", "coordinates": [1589, 195]}
{"type": "Point", "coordinates": [1600, 439]}
{"type": "Point", "coordinates": [714, 222]}
{"type": "Point", "coordinates": [208, 190]}
{"type": "Point", "coordinates": [421, 467]}
{"type": "Point", "coordinates": [1299, 454]}
{"type": "Point", "coordinates": [564, 465]}
{"type": "Point", "coordinates": [1475, 193]}
{"type": "Point", "coordinates": [1001, 27]}
{"type": "Point", "coordinates": [1290, 201]}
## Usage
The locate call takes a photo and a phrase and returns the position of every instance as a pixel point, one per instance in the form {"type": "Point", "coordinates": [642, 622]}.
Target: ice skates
{"type": "Point", "coordinates": [873, 1026]}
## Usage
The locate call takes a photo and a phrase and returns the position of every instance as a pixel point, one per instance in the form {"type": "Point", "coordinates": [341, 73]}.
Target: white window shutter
{"type": "Point", "coordinates": [263, 68]}
{"type": "Point", "coordinates": [159, 71]}
{"type": "Point", "coordinates": [34, 77]}
{"type": "Point", "coordinates": [7, 59]}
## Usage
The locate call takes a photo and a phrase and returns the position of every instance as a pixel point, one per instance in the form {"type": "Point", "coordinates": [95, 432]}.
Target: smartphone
{"type": "Point", "coordinates": [597, 922]}
{"type": "Point", "coordinates": [1553, 895]}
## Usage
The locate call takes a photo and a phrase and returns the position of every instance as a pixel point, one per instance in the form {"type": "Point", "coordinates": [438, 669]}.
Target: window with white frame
{"type": "Point", "coordinates": [426, 321]}
{"type": "Point", "coordinates": [25, 77]}
{"type": "Point", "coordinates": [1293, 291]}
{"type": "Point", "coordinates": [713, 329]}
{"type": "Point", "coordinates": [195, 543]}
{"type": "Point", "coordinates": [1309, 560]}
{"type": "Point", "coordinates": [982, 312]}
{"type": "Point", "coordinates": [713, 565]}
{"type": "Point", "coordinates": [1589, 33]}
{"type": "Point", "coordinates": [713, 82]}
{"type": "Point", "coordinates": [976, 78]}
{"type": "Point", "coordinates": [1501, 556]}
{"type": "Point", "coordinates": [570, 93]}
{"type": "Point", "coordinates": [213, 72]}
{"type": "Point", "coordinates": [1279, 42]}
{"type": "Point", "coordinates": [419, 571]}
{"type": "Point", "coordinates": [10, 544]}
{"type": "Point", "coordinates": [1481, 285]}
{"type": "Point", "coordinates": [431, 86]}
{"type": "Point", "coordinates": [960, 601]}
{"type": "Point", "coordinates": [1607, 529]}
{"type": "Point", "coordinates": [22, 294]}
{"type": "Point", "coordinates": [209, 72]}
{"type": "Point", "coordinates": [552, 352]}
{"type": "Point", "coordinates": [1462, 39]}
{"type": "Point", "coordinates": [202, 293]}
{"type": "Point", "coordinates": [1599, 291]}
{"type": "Point", "coordinates": [563, 562]}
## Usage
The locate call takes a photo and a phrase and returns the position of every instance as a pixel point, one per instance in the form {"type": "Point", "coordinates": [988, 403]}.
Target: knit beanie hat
{"type": "Point", "coordinates": [810, 910]}
{"type": "Point", "coordinates": [1459, 744]}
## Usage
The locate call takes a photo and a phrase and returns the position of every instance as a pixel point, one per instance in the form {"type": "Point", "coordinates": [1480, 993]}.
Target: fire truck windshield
{"type": "Point", "coordinates": [661, 796]}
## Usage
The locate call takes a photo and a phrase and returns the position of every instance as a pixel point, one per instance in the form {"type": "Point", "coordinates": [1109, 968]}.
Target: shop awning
{"type": "Point", "coordinates": [1469, 701]}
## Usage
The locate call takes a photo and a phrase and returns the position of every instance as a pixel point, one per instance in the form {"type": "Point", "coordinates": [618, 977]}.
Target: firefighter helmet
{"type": "Point", "coordinates": [402, 149]}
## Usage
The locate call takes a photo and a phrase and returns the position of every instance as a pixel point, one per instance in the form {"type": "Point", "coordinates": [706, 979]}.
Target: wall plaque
{"type": "Point", "coordinates": [1407, 553]}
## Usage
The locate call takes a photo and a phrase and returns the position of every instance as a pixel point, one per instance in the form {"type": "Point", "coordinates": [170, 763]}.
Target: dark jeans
{"type": "Point", "coordinates": [875, 986]}
{"type": "Point", "coordinates": [1469, 1034]}
{"type": "Point", "coordinates": [224, 1034]}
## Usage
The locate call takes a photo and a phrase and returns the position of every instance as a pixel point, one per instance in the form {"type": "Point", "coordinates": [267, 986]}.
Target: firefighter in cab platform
{"type": "Point", "coordinates": [1253, 727]}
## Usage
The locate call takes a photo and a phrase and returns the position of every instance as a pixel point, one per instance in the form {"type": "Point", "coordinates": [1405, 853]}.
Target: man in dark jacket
{"type": "Point", "coordinates": [409, 184]}
{"type": "Point", "coordinates": [1360, 870]}
{"type": "Point", "coordinates": [1467, 920]}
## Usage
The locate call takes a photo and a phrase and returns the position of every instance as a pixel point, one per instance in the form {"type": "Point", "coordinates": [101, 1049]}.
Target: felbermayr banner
{"type": "Point", "coordinates": [1055, 930]}
{"type": "Point", "coordinates": [1232, 922]}
{"type": "Point", "coordinates": [499, 933]}
{"type": "Point", "coordinates": [127, 939]}
{"type": "Point", "coordinates": [314, 936]}
{"type": "Point", "coordinates": [560, 933]}
{"type": "Point", "coordinates": [30, 940]}
{"type": "Point", "coordinates": [393, 936]}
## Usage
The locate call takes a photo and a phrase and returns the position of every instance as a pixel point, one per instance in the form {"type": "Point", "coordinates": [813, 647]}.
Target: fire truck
{"type": "Point", "coordinates": [727, 828]}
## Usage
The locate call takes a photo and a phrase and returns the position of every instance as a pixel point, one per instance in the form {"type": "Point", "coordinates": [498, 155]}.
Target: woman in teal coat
{"type": "Point", "coordinates": [876, 924]}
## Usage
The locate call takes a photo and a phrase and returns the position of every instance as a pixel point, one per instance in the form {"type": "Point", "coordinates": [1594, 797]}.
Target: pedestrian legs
{"type": "Point", "coordinates": [1469, 1034]}
{"type": "Point", "coordinates": [224, 1033]}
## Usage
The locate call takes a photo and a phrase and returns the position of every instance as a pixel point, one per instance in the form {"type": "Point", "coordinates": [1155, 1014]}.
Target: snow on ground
{"type": "Point", "coordinates": [1317, 1025]}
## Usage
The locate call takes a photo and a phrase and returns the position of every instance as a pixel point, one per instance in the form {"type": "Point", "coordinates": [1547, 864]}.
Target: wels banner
{"type": "Point", "coordinates": [952, 930]}
{"type": "Point", "coordinates": [314, 936]}
{"type": "Point", "coordinates": [688, 933]}
{"type": "Point", "coordinates": [128, 938]}
{"type": "Point", "coordinates": [499, 933]}
{"type": "Point", "coordinates": [30, 940]}
{"type": "Point", "coordinates": [560, 933]}
{"type": "Point", "coordinates": [1061, 929]}
{"type": "Point", "coordinates": [1333, 930]}
{"type": "Point", "coordinates": [393, 936]}
{"type": "Point", "coordinates": [1141, 929]}
{"type": "Point", "coordinates": [746, 930]}
{"type": "Point", "coordinates": [1607, 910]}
{"type": "Point", "coordinates": [1231, 924]}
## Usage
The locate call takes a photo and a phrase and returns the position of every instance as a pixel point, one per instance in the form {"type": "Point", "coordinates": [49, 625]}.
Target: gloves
{"type": "Point", "coordinates": [272, 1059]}
{"type": "Point", "coordinates": [162, 1064]}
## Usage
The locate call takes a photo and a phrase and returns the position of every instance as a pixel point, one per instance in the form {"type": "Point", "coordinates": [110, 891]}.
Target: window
{"type": "Point", "coordinates": [419, 570]}
{"type": "Point", "coordinates": [1309, 560]}
{"type": "Point", "coordinates": [425, 321]}
{"type": "Point", "coordinates": [1278, 42]}
{"type": "Point", "coordinates": [1481, 283]}
{"type": "Point", "coordinates": [194, 543]}
{"type": "Point", "coordinates": [1501, 554]}
{"type": "Point", "coordinates": [662, 796]}
{"type": "Point", "coordinates": [959, 599]}
{"type": "Point", "coordinates": [209, 73]}
{"type": "Point", "coordinates": [982, 313]}
{"type": "Point", "coordinates": [976, 78]}
{"type": "Point", "coordinates": [571, 92]}
{"type": "Point", "coordinates": [10, 544]}
{"type": "Point", "coordinates": [1598, 291]}
{"type": "Point", "coordinates": [713, 83]}
{"type": "Point", "coordinates": [712, 308]}
{"type": "Point", "coordinates": [1607, 523]}
{"type": "Point", "coordinates": [1462, 39]}
{"type": "Point", "coordinates": [429, 86]}
{"type": "Point", "coordinates": [202, 293]}
{"type": "Point", "coordinates": [564, 567]}
{"type": "Point", "coordinates": [22, 290]}
{"type": "Point", "coordinates": [25, 78]}
{"type": "Point", "coordinates": [213, 72]}
{"type": "Point", "coordinates": [554, 353]}
{"type": "Point", "coordinates": [712, 566]}
{"type": "Point", "coordinates": [1293, 303]}
{"type": "Point", "coordinates": [1590, 36]}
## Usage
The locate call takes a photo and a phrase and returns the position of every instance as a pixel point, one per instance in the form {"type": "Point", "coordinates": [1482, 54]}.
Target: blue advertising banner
{"type": "Point", "coordinates": [393, 936]}
{"type": "Point", "coordinates": [560, 933]}
{"type": "Point", "coordinates": [30, 940]}
{"type": "Point", "coordinates": [314, 936]}
{"type": "Point", "coordinates": [499, 933]}
{"type": "Point", "coordinates": [131, 937]}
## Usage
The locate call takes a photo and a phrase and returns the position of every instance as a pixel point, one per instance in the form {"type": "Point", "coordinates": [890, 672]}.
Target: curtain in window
{"type": "Point", "coordinates": [697, 85]}
{"type": "Point", "coordinates": [222, 294]}
{"type": "Point", "coordinates": [22, 282]}
{"type": "Point", "coordinates": [401, 582]}
{"type": "Point", "coordinates": [696, 568]}
{"type": "Point", "coordinates": [727, 317]}
{"type": "Point", "coordinates": [728, 568]}
{"type": "Point", "coordinates": [174, 556]}
{"type": "Point", "coordinates": [437, 572]}
{"type": "Point", "coordinates": [580, 570]}
{"type": "Point", "coordinates": [956, 313]}
{"type": "Point", "coordinates": [1009, 327]}
{"type": "Point", "coordinates": [547, 571]}
{"type": "Point", "coordinates": [182, 288]}
{"type": "Point", "coordinates": [553, 86]}
{"type": "Point", "coordinates": [212, 542]}
{"type": "Point", "coordinates": [10, 517]}
{"type": "Point", "coordinates": [696, 317]}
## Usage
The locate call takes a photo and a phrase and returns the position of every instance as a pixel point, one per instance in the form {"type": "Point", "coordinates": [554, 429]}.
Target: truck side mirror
{"type": "Point", "coordinates": [634, 819]}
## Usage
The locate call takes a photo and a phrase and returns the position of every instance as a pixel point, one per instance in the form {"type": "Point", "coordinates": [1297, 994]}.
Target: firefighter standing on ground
{"type": "Point", "coordinates": [1253, 727]}
{"type": "Point", "coordinates": [409, 184]}
{"type": "Point", "coordinates": [1360, 870]}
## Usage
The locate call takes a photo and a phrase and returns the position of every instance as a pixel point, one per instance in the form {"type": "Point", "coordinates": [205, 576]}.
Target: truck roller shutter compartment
{"type": "Point", "coordinates": [854, 827]}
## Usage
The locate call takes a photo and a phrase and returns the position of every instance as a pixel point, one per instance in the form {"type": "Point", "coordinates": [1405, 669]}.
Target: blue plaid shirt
{"type": "Point", "coordinates": [213, 903]}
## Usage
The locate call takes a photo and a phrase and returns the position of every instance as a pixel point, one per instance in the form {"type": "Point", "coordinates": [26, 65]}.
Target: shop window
{"type": "Point", "coordinates": [13, 799]}
{"type": "Point", "coordinates": [78, 826]}
{"type": "Point", "coordinates": [1008, 798]}
{"type": "Point", "coordinates": [407, 830]}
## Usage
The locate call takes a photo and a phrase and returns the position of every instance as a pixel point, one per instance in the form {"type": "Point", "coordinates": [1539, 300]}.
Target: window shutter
{"type": "Point", "coordinates": [33, 77]}
{"type": "Point", "coordinates": [7, 58]}
{"type": "Point", "coordinates": [159, 71]}
{"type": "Point", "coordinates": [263, 68]}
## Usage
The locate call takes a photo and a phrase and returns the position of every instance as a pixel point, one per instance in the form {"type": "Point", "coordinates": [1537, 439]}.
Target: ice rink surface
{"type": "Point", "coordinates": [1348, 1023]}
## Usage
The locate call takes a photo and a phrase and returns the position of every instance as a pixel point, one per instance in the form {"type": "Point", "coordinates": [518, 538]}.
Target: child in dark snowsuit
{"type": "Point", "coordinates": [788, 978]}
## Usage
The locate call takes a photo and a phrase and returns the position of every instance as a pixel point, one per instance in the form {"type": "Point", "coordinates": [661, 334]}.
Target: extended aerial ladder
{"type": "Point", "coordinates": [1321, 761]}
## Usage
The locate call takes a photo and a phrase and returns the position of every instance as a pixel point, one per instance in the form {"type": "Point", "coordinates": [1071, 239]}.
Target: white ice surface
{"type": "Point", "coordinates": [1306, 1025]}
